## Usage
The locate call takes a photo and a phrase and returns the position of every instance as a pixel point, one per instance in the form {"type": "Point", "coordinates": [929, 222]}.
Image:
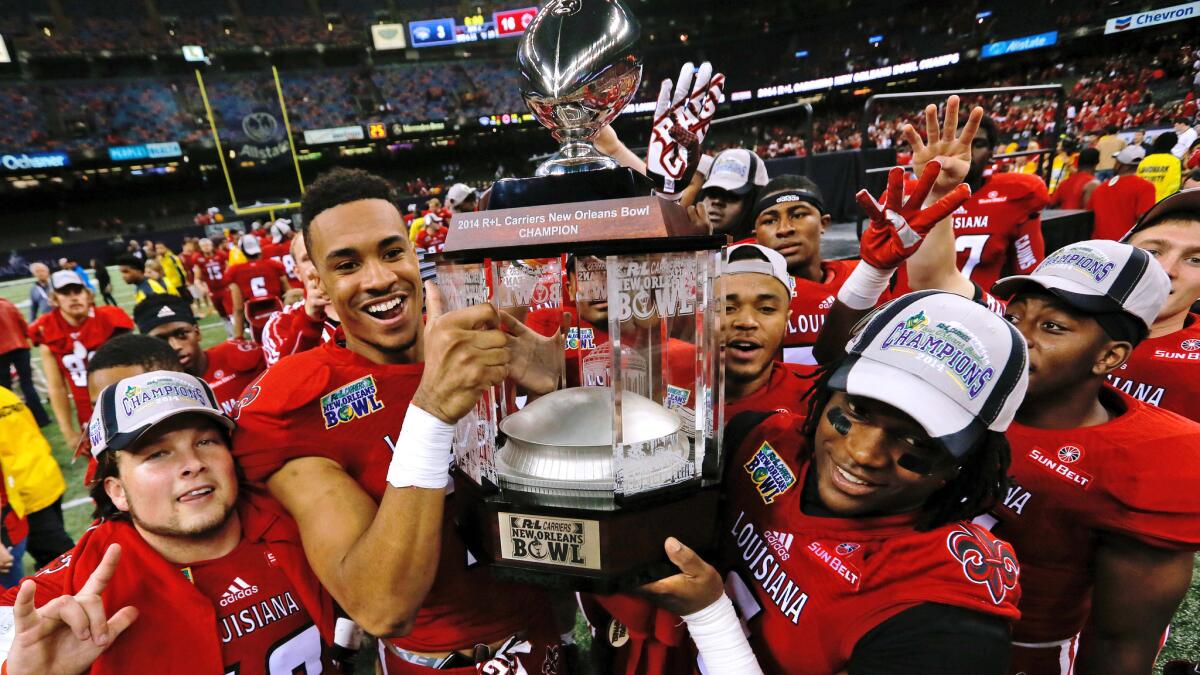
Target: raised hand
{"type": "Point", "coordinates": [952, 151]}
{"type": "Point", "coordinates": [898, 224]}
{"type": "Point", "coordinates": [684, 111]}
{"type": "Point", "coordinates": [697, 585]}
{"type": "Point", "coordinates": [465, 353]}
{"type": "Point", "coordinates": [68, 633]}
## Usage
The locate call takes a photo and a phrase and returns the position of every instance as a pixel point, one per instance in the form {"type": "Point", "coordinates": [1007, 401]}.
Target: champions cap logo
{"type": "Point", "coordinates": [160, 390]}
{"type": "Point", "coordinates": [770, 473]}
{"type": "Point", "coordinates": [947, 347]}
{"type": "Point", "coordinates": [352, 401]}
{"type": "Point", "coordinates": [985, 560]}
{"type": "Point", "coordinates": [1079, 260]}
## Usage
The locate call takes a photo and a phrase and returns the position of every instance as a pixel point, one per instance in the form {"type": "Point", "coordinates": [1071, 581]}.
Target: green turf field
{"type": "Point", "coordinates": [1184, 641]}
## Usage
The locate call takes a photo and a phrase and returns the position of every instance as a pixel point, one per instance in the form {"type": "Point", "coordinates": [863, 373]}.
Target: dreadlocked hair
{"type": "Point", "coordinates": [982, 477]}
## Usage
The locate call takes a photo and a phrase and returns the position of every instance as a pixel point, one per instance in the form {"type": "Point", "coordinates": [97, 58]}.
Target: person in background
{"type": "Point", "coordinates": [173, 270]}
{"type": "Point", "coordinates": [14, 353]}
{"type": "Point", "coordinates": [279, 249]}
{"type": "Point", "coordinates": [133, 272]}
{"type": "Point", "coordinates": [227, 367]}
{"type": "Point", "coordinates": [1187, 136]}
{"type": "Point", "coordinates": [1162, 168]}
{"type": "Point", "coordinates": [432, 237]}
{"type": "Point", "coordinates": [302, 325]}
{"type": "Point", "coordinates": [1075, 191]}
{"type": "Point", "coordinates": [728, 193]}
{"type": "Point", "coordinates": [461, 198]}
{"type": "Point", "coordinates": [1108, 146]}
{"type": "Point", "coordinates": [66, 338]}
{"type": "Point", "coordinates": [32, 481]}
{"type": "Point", "coordinates": [1192, 180]}
{"type": "Point", "coordinates": [256, 279]}
{"type": "Point", "coordinates": [1117, 202]}
{"type": "Point", "coordinates": [103, 281]}
{"type": "Point", "coordinates": [39, 292]}
{"type": "Point", "coordinates": [13, 532]}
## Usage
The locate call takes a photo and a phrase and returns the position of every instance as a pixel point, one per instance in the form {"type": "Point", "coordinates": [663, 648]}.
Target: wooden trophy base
{"type": "Point", "coordinates": [580, 549]}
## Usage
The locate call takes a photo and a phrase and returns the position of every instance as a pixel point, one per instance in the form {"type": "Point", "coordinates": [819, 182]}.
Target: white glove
{"type": "Point", "coordinates": [681, 120]}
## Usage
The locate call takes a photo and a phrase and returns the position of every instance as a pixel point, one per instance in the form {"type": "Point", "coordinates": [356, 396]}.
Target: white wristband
{"type": "Point", "coordinates": [421, 457]}
{"type": "Point", "coordinates": [721, 641]}
{"type": "Point", "coordinates": [864, 286]}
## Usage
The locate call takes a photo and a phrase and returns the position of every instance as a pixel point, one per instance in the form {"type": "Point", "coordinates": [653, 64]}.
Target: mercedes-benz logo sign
{"type": "Point", "coordinates": [260, 127]}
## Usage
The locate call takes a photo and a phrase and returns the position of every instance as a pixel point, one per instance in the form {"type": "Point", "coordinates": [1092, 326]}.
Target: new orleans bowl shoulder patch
{"type": "Point", "coordinates": [770, 474]}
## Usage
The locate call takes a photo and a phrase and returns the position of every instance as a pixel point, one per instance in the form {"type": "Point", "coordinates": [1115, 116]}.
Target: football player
{"type": "Point", "coordinates": [210, 263]}
{"type": "Point", "coordinates": [227, 367]}
{"type": "Point", "coordinates": [846, 537]}
{"type": "Point", "coordinates": [353, 437]}
{"type": "Point", "coordinates": [300, 325]}
{"type": "Point", "coordinates": [257, 278]}
{"type": "Point", "coordinates": [67, 337]}
{"type": "Point", "coordinates": [213, 578]}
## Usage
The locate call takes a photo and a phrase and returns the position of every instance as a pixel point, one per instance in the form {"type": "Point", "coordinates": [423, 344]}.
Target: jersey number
{"type": "Point", "coordinates": [214, 271]}
{"type": "Point", "coordinates": [258, 287]}
{"type": "Point", "coordinates": [299, 654]}
{"type": "Point", "coordinates": [76, 363]}
{"type": "Point", "coordinates": [974, 244]}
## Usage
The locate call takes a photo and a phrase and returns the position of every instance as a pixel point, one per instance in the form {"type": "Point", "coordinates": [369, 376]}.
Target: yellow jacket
{"type": "Point", "coordinates": [173, 269]}
{"type": "Point", "coordinates": [1164, 170]}
{"type": "Point", "coordinates": [32, 478]}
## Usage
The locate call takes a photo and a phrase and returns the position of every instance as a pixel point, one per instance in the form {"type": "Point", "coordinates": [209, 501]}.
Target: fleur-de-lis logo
{"type": "Point", "coordinates": [985, 560]}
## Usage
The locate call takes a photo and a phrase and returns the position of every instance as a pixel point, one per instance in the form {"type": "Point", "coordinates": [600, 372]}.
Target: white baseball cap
{"type": "Point", "coordinates": [458, 193]}
{"type": "Point", "coordinates": [128, 409]}
{"type": "Point", "coordinates": [1099, 276]}
{"type": "Point", "coordinates": [281, 228]}
{"type": "Point", "coordinates": [764, 260]}
{"type": "Point", "coordinates": [249, 245]}
{"type": "Point", "coordinates": [952, 365]}
{"type": "Point", "coordinates": [1130, 154]}
{"type": "Point", "coordinates": [737, 170]}
{"type": "Point", "coordinates": [63, 278]}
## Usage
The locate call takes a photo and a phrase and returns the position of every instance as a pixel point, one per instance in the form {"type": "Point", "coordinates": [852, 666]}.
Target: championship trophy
{"type": "Point", "coordinates": [577, 487]}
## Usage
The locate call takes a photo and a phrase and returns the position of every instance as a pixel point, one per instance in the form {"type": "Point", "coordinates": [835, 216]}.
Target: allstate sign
{"type": "Point", "coordinates": [1021, 44]}
{"type": "Point", "coordinates": [1153, 17]}
{"type": "Point", "coordinates": [34, 160]}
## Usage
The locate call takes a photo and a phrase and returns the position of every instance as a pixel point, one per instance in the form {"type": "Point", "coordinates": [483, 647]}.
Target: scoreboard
{"type": "Point", "coordinates": [473, 28]}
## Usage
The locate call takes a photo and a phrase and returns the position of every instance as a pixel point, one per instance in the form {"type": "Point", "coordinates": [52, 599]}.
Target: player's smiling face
{"type": "Point", "coordinates": [1175, 244]}
{"type": "Point", "coordinates": [793, 229]}
{"type": "Point", "coordinates": [858, 444]}
{"type": "Point", "coordinates": [753, 325]}
{"type": "Point", "coordinates": [369, 270]}
{"type": "Point", "coordinates": [178, 480]}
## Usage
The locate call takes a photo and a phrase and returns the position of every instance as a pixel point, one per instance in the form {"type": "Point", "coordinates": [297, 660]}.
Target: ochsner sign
{"type": "Point", "coordinates": [1152, 18]}
{"type": "Point", "coordinates": [34, 160]}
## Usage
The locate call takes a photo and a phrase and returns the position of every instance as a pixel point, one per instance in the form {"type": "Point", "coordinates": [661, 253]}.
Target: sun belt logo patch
{"type": "Point", "coordinates": [1069, 454]}
{"type": "Point", "coordinates": [985, 560]}
{"type": "Point", "coordinates": [350, 402]}
{"type": "Point", "coordinates": [1190, 345]}
{"type": "Point", "coordinates": [770, 474]}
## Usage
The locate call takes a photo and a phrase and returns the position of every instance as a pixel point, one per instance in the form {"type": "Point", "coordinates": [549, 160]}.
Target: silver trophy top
{"type": "Point", "coordinates": [580, 65]}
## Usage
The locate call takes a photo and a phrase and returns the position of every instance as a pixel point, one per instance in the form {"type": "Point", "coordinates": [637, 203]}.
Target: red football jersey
{"type": "Point", "coordinates": [263, 627]}
{"type": "Point", "coordinates": [998, 231]}
{"type": "Point", "coordinates": [257, 278]}
{"type": "Point", "coordinates": [212, 269]}
{"type": "Point", "coordinates": [189, 264]}
{"type": "Point", "coordinates": [810, 587]}
{"type": "Point", "coordinates": [289, 331]}
{"type": "Point", "coordinates": [282, 254]}
{"type": "Point", "coordinates": [73, 346]}
{"type": "Point", "coordinates": [1134, 476]}
{"type": "Point", "coordinates": [232, 365]}
{"type": "Point", "coordinates": [784, 393]}
{"type": "Point", "coordinates": [1117, 203]}
{"type": "Point", "coordinates": [810, 305]}
{"type": "Point", "coordinates": [1165, 371]}
{"type": "Point", "coordinates": [330, 402]}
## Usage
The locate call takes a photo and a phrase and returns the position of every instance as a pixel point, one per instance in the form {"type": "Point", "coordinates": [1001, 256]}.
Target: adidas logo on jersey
{"type": "Point", "coordinates": [826, 303]}
{"type": "Point", "coordinates": [237, 590]}
{"type": "Point", "coordinates": [781, 543]}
